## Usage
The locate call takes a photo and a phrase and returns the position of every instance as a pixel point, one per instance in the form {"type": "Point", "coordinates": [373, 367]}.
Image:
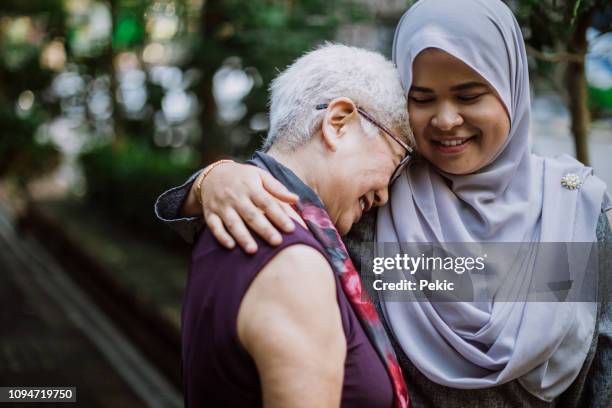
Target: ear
{"type": "Point", "coordinates": [340, 112]}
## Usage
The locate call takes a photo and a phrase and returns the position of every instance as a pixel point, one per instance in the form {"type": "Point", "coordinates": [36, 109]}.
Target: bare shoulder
{"type": "Point", "coordinates": [290, 324]}
{"type": "Point", "coordinates": [298, 263]}
{"type": "Point", "coordinates": [293, 294]}
{"type": "Point", "coordinates": [297, 278]}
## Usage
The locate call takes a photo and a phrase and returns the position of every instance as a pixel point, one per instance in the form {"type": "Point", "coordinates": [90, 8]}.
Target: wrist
{"type": "Point", "coordinates": [200, 179]}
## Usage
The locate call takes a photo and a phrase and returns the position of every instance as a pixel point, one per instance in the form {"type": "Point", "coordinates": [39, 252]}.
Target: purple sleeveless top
{"type": "Point", "coordinates": [217, 370]}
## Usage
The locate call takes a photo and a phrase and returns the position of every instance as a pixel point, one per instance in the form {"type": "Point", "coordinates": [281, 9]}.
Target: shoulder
{"type": "Point", "coordinates": [206, 246]}
{"type": "Point", "coordinates": [295, 277]}
{"type": "Point", "coordinates": [293, 297]}
{"type": "Point", "coordinates": [301, 258]}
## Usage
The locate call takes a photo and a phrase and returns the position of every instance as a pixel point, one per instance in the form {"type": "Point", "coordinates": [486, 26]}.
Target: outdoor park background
{"type": "Point", "coordinates": [105, 104]}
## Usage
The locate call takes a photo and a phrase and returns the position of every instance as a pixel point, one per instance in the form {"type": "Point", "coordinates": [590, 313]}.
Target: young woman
{"type": "Point", "coordinates": [464, 69]}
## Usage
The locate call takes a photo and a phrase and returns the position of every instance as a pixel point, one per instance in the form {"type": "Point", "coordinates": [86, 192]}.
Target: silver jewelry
{"type": "Point", "coordinates": [571, 181]}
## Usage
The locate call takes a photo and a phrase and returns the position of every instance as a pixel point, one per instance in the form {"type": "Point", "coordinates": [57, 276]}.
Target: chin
{"type": "Point", "coordinates": [344, 228]}
{"type": "Point", "coordinates": [343, 231]}
{"type": "Point", "coordinates": [455, 171]}
{"type": "Point", "coordinates": [455, 168]}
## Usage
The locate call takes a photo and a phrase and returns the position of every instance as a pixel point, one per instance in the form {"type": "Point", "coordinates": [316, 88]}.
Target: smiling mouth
{"type": "Point", "coordinates": [364, 204]}
{"type": "Point", "coordinates": [453, 142]}
{"type": "Point", "coordinates": [452, 145]}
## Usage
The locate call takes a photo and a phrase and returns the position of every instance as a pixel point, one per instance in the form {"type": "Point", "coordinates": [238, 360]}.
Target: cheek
{"type": "Point", "coordinates": [376, 180]}
{"type": "Point", "coordinates": [419, 119]}
{"type": "Point", "coordinates": [374, 173]}
{"type": "Point", "coordinates": [500, 133]}
{"type": "Point", "coordinates": [343, 190]}
{"type": "Point", "coordinates": [493, 122]}
{"type": "Point", "coordinates": [383, 164]}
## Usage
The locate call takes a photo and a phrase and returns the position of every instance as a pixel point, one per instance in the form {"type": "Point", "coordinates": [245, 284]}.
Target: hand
{"type": "Point", "coordinates": [236, 195]}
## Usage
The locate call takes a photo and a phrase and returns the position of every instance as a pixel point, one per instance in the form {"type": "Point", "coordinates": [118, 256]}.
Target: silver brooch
{"type": "Point", "coordinates": [571, 181]}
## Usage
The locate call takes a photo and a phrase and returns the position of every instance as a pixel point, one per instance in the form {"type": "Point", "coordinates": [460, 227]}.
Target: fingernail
{"type": "Point", "coordinates": [276, 239]}
{"type": "Point", "coordinates": [250, 248]}
{"type": "Point", "coordinates": [289, 226]}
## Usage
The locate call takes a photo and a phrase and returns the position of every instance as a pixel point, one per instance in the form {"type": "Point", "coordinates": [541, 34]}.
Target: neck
{"type": "Point", "coordinates": [294, 161]}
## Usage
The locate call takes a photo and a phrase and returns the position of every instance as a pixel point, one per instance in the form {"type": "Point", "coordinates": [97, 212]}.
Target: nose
{"type": "Point", "coordinates": [381, 196]}
{"type": "Point", "coordinates": [446, 118]}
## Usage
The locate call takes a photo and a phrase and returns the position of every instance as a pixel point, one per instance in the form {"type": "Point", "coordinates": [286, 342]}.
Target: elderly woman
{"type": "Point", "coordinates": [289, 327]}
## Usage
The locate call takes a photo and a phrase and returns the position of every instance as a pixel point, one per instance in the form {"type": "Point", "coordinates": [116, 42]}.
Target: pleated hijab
{"type": "Point", "coordinates": [518, 197]}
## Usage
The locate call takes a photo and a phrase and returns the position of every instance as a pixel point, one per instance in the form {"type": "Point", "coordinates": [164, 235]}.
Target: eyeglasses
{"type": "Point", "coordinates": [369, 118]}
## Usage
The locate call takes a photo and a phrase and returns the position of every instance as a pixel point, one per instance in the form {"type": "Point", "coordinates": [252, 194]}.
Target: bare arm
{"type": "Point", "coordinates": [290, 323]}
{"type": "Point", "coordinates": [235, 196]}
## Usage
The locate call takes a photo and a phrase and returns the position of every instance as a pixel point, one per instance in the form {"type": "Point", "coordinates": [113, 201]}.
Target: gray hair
{"type": "Point", "coordinates": [332, 71]}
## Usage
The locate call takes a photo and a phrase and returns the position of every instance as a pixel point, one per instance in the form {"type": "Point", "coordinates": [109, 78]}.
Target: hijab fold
{"type": "Point", "coordinates": [518, 198]}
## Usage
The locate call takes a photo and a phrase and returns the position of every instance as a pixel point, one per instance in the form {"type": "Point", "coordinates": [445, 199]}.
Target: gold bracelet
{"type": "Point", "coordinates": [205, 172]}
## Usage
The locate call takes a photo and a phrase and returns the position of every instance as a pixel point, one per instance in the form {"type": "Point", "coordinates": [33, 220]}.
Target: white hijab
{"type": "Point", "coordinates": [516, 198]}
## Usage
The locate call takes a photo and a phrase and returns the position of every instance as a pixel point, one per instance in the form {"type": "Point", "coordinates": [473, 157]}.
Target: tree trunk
{"type": "Point", "coordinates": [580, 116]}
{"type": "Point", "coordinates": [577, 88]}
{"type": "Point", "coordinates": [212, 18]}
{"type": "Point", "coordinates": [118, 130]}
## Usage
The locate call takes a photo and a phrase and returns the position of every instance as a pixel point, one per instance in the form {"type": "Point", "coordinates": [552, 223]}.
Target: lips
{"type": "Point", "coordinates": [452, 144]}
{"type": "Point", "coordinates": [455, 142]}
{"type": "Point", "coordinates": [364, 204]}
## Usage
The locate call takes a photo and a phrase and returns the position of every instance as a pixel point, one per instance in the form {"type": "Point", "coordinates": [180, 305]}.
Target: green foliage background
{"type": "Point", "coordinates": [126, 172]}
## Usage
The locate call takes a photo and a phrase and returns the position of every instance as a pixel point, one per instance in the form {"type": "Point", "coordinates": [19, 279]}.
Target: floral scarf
{"type": "Point", "coordinates": [313, 212]}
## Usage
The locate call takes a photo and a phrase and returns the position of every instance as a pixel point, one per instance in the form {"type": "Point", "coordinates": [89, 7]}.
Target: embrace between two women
{"type": "Point", "coordinates": [285, 320]}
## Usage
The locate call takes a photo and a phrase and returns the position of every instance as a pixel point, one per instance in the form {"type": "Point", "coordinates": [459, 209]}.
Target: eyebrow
{"type": "Point", "coordinates": [420, 89]}
{"type": "Point", "coordinates": [467, 85]}
{"type": "Point", "coordinates": [460, 87]}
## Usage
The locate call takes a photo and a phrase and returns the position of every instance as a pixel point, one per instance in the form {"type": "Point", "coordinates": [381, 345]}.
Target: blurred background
{"type": "Point", "coordinates": [105, 104]}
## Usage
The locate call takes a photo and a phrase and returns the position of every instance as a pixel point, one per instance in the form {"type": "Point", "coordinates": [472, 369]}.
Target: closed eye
{"type": "Point", "coordinates": [421, 100]}
{"type": "Point", "coordinates": [470, 98]}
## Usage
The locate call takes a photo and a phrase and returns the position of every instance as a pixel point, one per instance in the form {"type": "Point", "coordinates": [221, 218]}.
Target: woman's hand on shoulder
{"type": "Point", "coordinates": [236, 196]}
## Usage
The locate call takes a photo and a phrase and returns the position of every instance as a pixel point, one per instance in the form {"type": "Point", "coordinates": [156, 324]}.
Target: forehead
{"type": "Point", "coordinates": [434, 68]}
